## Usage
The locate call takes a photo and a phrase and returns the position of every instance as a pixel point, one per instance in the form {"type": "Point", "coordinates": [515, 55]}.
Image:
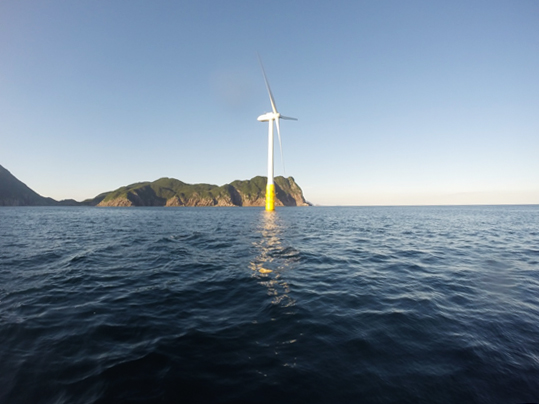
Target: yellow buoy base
{"type": "Point", "coordinates": [270, 197]}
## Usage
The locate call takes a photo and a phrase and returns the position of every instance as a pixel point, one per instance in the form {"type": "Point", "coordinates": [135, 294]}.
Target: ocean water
{"type": "Point", "coordinates": [229, 305]}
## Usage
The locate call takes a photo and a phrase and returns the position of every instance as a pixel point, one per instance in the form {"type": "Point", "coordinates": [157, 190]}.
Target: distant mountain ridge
{"type": "Point", "coordinates": [163, 192]}
{"type": "Point", "coordinates": [15, 193]}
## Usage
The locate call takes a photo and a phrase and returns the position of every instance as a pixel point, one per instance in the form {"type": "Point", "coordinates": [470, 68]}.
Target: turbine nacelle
{"type": "Point", "coordinates": [269, 116]}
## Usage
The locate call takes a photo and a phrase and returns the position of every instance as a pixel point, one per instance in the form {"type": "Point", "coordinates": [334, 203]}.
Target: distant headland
{"type": "Point", "coordinates": [163, 192]}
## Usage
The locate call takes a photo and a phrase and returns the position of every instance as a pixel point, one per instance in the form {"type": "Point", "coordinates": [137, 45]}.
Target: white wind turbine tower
{"type": "Point", "coordinates": [271, 117]}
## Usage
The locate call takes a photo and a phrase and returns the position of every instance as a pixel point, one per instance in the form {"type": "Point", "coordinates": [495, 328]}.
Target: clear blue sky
{"type": "Point", "coordinates": [414, 102]}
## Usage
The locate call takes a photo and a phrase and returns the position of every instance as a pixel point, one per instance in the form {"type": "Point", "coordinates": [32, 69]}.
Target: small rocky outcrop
{"type": "Point", "coordinates": [117, 203]}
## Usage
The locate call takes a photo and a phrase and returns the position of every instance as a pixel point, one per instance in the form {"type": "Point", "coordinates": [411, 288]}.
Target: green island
{"type": "Point", "coordinates": [163, 192]}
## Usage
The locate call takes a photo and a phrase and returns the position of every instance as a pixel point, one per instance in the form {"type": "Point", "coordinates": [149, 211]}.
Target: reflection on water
{"type": "Point", "coordinates": [273, 259]}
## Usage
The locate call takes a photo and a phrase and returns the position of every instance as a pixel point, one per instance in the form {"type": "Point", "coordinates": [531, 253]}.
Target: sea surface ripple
{"type": "Point", "coordinates": [220, 305]}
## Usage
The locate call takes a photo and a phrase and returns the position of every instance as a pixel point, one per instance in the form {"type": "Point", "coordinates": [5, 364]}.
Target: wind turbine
{"type": "Point", "coordinates": [271, 117]}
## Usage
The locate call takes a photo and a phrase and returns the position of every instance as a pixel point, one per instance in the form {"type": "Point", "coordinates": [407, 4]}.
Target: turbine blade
{"type": "Point", "coordinates": [273, 106]}
{"type": "Point", "coordinates": [289, 118]}
{"type": "Point", "coordinates": [280, 144]}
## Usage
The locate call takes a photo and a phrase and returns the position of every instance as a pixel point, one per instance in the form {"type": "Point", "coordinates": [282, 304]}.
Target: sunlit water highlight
{"type": "Point", "coordinates": [370, 305]}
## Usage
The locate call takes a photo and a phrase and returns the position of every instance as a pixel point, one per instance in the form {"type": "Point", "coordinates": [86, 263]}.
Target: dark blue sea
{"type": "Point", "coordinates": [238, 305]}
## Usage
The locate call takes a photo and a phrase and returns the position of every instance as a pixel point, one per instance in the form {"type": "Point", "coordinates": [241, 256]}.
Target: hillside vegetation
{"type": "Point", "coordinates": [163, 192]}
{"type": "Point", "coordinates": [173, 192]}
